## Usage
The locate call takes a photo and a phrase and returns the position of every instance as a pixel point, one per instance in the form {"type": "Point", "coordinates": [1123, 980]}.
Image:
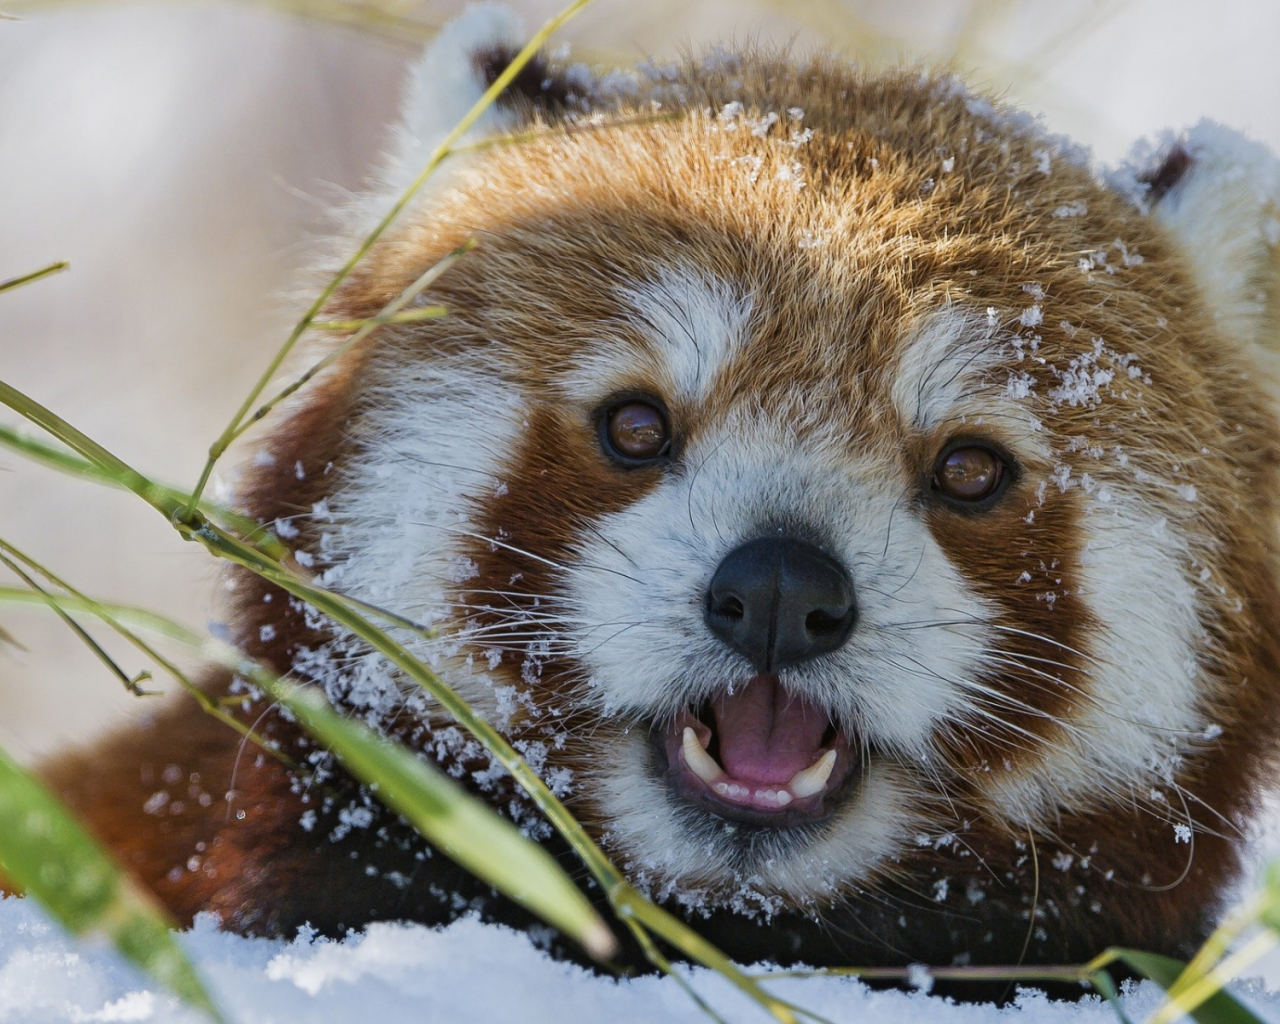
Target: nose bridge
{"type": "Point", "coordinates": [780, 601]}
{"type": "Point", "coordinates": [751, 478]}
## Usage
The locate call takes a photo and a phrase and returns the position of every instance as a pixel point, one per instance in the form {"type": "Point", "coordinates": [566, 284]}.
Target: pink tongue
{"type": "Point", "coordinates": [767, 735]}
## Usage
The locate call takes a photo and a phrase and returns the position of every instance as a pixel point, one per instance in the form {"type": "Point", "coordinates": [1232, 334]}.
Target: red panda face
{"type": "Point", "coordinates": [801, 480]}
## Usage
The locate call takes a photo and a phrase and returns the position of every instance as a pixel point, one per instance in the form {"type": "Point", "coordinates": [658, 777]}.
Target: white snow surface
{"type": "Point", "coordinates": [468, 972]}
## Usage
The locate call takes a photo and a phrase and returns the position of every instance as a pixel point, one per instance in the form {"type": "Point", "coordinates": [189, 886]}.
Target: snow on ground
{"type": "Point", "coordinates": [466, 973]}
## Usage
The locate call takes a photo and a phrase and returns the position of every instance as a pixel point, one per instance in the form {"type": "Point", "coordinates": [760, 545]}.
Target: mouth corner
{"type": "Point", "coordinates": [760, 755]}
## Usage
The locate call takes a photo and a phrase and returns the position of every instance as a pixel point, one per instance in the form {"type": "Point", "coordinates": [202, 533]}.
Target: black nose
{"type": "Point", "coordinates": [780, 601]}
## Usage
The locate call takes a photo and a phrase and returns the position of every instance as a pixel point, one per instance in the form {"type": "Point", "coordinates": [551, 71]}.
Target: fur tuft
{"type": "Point", "coordinates": [1218, 194]}
{"type": "Point", "coordinates": [445, 83]}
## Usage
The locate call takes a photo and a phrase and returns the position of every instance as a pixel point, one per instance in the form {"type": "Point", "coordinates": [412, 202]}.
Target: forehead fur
{"type": "Point", "coordinates": [823, 221]}
{"type": "Point", "coordinates": [842, 210]}
{"type": "Point", "coordinates": [879, 264]}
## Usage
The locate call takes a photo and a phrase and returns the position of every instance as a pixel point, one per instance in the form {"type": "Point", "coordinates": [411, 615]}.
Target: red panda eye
{"type": "Point", "coordinates": [969, 472]}
{"type": "Point", "coordinates": [635, 431]}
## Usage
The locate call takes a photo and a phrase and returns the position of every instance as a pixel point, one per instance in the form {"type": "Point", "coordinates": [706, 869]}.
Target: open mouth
{"type": "Point", "coordinates": [759, 754]}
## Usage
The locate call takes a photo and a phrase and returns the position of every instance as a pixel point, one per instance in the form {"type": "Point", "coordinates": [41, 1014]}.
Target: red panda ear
{"type": "Point", "coordinates": [1218, 194]}
{"type": "Point", "coordinates": [454, 72]}
{"type": "Point", "coordinates": [537, 88]}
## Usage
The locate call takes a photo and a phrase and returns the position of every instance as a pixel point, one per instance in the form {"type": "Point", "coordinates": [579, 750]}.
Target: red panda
{"type": "Point", "coordinates": [860, 511]}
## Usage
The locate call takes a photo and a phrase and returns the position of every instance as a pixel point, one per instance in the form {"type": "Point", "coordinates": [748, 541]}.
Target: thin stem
{"type": "Point", "coordinates": [131, 683]}
{"type": "Point", "coordinates": [68, 462]}
{"type": "Point", "coordinates": [629, 905]}
{"type": "Point", "coordinates": [115, 615]}
{"type": "Point", "coordinates": [219, 447]}
{"type": "Point", "coordinates": [387, 315]}
{"type": "Point", "coordinates": [35, 275]}
{"type": "Point", "coordinates": [411, 316]}
{"type": "Point", "coordinates": [654, 955]}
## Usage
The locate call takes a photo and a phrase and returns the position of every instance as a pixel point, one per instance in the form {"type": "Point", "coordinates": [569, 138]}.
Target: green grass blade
{"type": "Point", "coordinates": [463, 827]}
{"type": "Point", "coordinates": [35, 275]}
{"type": "Point", "coordinates": [96, 464]}
{"type": "Point", "coordinates": [44, 851]}
{"type": "Point", "coordinates": [466, 830]}
{"type": "Point", "coordinates": [1220, 1008]}
{"type": "Point", "coordinates": [488, 99]}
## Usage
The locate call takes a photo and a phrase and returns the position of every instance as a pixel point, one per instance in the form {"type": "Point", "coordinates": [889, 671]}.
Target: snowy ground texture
{"type": "Point", "coordinates": [463, 974]}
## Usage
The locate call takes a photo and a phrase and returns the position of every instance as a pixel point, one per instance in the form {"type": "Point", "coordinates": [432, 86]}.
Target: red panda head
{"type": "Point", "coordinates": [823, 478]}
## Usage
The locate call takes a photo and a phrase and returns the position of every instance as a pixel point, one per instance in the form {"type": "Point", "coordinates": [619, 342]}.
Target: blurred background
{"type": "Point", "coordinates": [182, 156]}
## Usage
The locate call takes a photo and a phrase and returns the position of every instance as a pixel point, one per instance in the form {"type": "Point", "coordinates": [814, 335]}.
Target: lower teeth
{"type": "Point", "coordinates": [805, 783]}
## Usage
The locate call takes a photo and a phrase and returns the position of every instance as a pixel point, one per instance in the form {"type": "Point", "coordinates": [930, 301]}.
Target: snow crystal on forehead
{"type": "Point", "coordinates": [1093, 375]}
{"type": "Point", "coordinates": [940, 362]}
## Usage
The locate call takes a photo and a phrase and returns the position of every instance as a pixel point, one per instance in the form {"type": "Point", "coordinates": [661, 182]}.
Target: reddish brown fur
{"type": "Point", "coordinates": [909, 238]}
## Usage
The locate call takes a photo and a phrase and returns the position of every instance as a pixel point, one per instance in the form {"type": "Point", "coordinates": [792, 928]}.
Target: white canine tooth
{"type": "Point", "coordinates": [810, 781]}
{"type": "Point", "coordinates": [699, 761]}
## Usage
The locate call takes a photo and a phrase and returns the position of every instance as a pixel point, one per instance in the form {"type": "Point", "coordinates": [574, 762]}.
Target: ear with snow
{"type": "Point", "coordinates": [1218, 194]}
{"type": "Point", "coordinates": [455, 71]}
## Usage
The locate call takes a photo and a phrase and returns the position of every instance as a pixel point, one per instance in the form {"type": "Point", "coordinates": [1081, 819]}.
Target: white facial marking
{"type": "Point", "coordinates": [689, 323]}
{"type": "Point", "coordinates": [953, 370]}
{"type": "Point", "coordinates": [399, 518]}
{"type": "Point", "coordinates": [939, 363]}
{"type": "Point", "coordinates": [1140, 715]}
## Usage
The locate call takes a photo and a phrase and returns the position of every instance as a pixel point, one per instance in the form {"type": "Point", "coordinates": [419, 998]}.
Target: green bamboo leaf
{"type": "Point", "coordinates": [457, 823]}
{"type": "Point", "coordinates": [1220, 1008]}
{"type": "Point", "coordinates": [44, 851]}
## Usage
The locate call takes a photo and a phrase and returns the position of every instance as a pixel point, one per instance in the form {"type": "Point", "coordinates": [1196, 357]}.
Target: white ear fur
{"type": "Point", "coordinates": [1224, 210]}
{"type": "Point", "coordinates": [444, 84]}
